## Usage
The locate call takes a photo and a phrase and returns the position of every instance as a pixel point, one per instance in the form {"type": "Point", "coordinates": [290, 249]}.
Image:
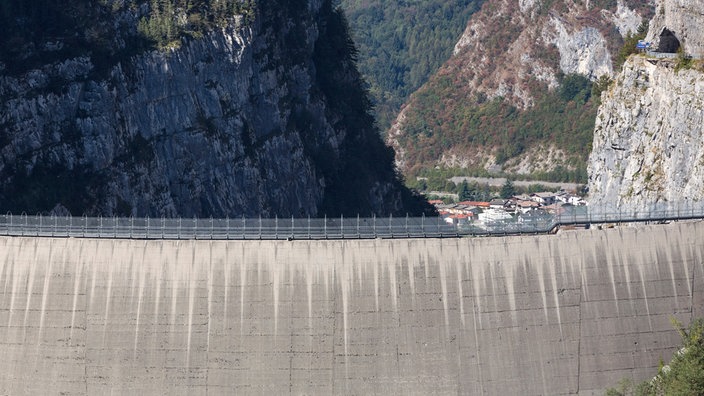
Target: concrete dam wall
{"type": "Point", "coordinates": [571, 313]}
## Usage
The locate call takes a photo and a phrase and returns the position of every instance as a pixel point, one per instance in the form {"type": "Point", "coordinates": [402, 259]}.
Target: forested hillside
{"type": "Point", "coordinates": [451, 118]}
{"type": "Point", "coordinates": [401, 43]}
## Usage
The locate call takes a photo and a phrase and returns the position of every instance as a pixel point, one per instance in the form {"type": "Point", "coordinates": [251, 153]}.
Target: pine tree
{"type": "Point", "coordinates": [508, 189]}
{"type": "Point", "coordinates": [464, 193]}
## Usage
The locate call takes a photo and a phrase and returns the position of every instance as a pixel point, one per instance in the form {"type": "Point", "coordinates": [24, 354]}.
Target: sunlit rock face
{"type": "Point", "coordinates": [684, 19]}
{"type": "Point", "coordinates": [648, 137]}
{"type": "Point", "coordinates": [266, 117]}
{"type": "Point", "coordinates": [557, 314]}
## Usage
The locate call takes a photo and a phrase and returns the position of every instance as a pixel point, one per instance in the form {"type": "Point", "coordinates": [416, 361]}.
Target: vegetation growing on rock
{"type": "Point", "coordinates": [36, 32]}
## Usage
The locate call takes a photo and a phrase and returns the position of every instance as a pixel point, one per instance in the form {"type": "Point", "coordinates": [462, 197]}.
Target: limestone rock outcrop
{"type": "Point", "coordinates": [649, 137]}
{"type": "Point", "coordinates": [683, 18]}
{"type": "Point", "coordinates": [262, 118]}
{"type": "Point", "coordinates": [648, 141]}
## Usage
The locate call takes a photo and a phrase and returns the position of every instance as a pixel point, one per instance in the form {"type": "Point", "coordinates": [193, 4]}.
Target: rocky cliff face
{"type": "Point", "coordinates": [648, 141]}
{"type": "Point", "coordinates": [517, 53]}
{"type": "Point", "coordinates": [684, 19]}
{"type": "Point", "coordinates": [505, 47]}
{"type": "Point", "coordinates": [268, 118]}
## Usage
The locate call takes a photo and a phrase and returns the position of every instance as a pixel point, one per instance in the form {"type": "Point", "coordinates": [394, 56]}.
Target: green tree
{"type": "Point", "coordinates": [508, 189]}
{"type": "Point", "coordinates": [599, 86]}
{"type": "Point", "coordinates": [450, 187]}
{"type": "Point", "coordinates": [464, 193]}
{"type": "Point", "coordinates": [629, 44]}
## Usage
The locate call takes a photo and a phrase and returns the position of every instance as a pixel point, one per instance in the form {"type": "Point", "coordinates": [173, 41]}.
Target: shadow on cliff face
{"type": "Point", "coordinates": [344, 144]}
{"type": "Point", "coordinates": [47, 186]}
{"type": "Point", "coordinates": [363, 179]}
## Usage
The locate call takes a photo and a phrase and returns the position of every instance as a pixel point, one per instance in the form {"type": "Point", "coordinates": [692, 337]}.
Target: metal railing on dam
{"type": "Point", "coordinates": [535, 222]}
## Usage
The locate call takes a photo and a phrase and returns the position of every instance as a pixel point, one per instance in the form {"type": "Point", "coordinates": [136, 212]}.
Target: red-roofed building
{"type": "Point", "coordinates": [459, 218]}
{"type": "Point", "coordinates": [474, 203]}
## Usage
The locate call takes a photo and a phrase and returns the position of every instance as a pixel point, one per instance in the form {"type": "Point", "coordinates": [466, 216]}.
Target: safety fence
{"type": "Point", "coordinates": [533, 222]}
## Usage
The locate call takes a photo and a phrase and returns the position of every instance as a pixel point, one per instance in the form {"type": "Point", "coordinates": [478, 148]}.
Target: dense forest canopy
{"type": "Point", "coordinates": [402, 42]}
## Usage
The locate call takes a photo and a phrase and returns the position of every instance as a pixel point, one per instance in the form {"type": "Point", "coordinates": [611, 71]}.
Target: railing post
{"type": "Point", "coordinates": [260, 226]}
{"type": "Point", "coordinates": [100, 229]}
{"type": "Point", "coordinates": [293, 228]}
{"type": "Point", "coordinates": [178, 235]}
{"type": "Point", "coordinates": [391, 228]}
{"type": "Point", "coordinates": [374, 224]}
{"type": "Point", "coordinates": [211, 228]}
{"type": "Point", "coordinates": [276, 227]}
{"type": "Point", "coordinates": [244, 227]}
{"type": "Point", "coordinates": [422, 224]}
{"type": "Point", "coordinates": [325, 226]}
{"type": "Point", "coordinates": [438, 226]}
{"type": "Point", "coordinates": [408, 235]}
{"type": "Point", "coordinates": [40, 224]}
{"type": "Point", "coordinates": [163, 226]}
{"type": "Point", "coordinates": [114, 225]}
{"type": "Point", "coordinates": [146, 232]}
{"type": "Point", "coordinates": [85, 225]}
{"type": "Point", "coordinates": [342, 230]}
{"type": "Point", "coordinates": [358, 233]}
{"type": "Point", "coordinates": [589, 216]}
{"type": "Point", "coordinates": [308, 226]}
{"type": "Point", "coordinates": [131, 226]}
{"type": "Point", "coordinates": [227, 226]}
{"type": "Point", "coordinates": [677, 208]}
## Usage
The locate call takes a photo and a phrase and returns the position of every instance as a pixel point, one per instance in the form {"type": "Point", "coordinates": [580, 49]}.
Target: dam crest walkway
{"type": "Point", "coordinates": [330, 227]}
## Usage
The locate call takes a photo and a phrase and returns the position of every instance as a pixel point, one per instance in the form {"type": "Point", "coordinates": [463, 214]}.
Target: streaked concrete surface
{"type": "Point", "coordinates": [571, 313]}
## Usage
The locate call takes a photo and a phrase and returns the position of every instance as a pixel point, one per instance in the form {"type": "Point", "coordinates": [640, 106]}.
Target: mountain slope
{"type": "Point", "coordinates": [516, 96]}
{"type": "Point", "coordinates": [402, 43]}
{"type": "Point", "coordinates": [264, 114]}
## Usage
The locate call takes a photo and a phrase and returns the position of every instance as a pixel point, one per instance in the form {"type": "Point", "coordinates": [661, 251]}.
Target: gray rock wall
{"type": "Point", "coordinates": [648, 138]}
{"type": "Point", "coordinates": [238, 122]}
{"type": "Point", "coordinates": [684, 18]}
{"type": "Point", "coordinates": [571, 313]}
{"type": "Point", "coordinates": [647, 147]}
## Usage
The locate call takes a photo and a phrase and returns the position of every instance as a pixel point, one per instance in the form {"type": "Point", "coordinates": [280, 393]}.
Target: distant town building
{"type": "Point", "coordinates": [543, 198]}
